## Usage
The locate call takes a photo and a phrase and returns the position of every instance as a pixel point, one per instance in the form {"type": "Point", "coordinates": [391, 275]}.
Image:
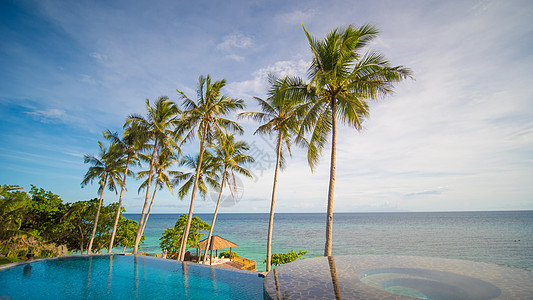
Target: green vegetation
{"type": "Point", "coordinates": [39, 222]}
{"type": "Point", "coordinates": [172, 237]}
{"type": "Point", "coordinates": [283, 258]}
{"type": "Point", "coordinates": [227, 254]}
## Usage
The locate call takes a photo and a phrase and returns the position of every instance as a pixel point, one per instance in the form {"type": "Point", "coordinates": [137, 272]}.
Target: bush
{"type": "Point", "coordinates": [22, 252]}
{"type": "Point", "coordinates": [226, 254]}
{"type": "Point", "coordinates": [8, 260]}
{"type": "Point", "coordinates": [283, 258]}
{"type": "Point", "coordinates": [47, 253]}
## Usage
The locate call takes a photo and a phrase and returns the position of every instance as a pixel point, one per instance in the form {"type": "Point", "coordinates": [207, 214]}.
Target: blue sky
{"type": "Point", "coordinates": [458, 137]}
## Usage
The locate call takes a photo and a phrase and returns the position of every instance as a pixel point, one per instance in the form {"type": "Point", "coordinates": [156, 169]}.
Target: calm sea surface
{"type": "Point", "coordinates": [496, 237]}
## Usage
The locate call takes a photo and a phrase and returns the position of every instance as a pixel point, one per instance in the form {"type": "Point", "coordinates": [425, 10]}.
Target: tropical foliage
{"type": "Point", "coordinates": [40, 221]}
{"type": "Point", "coordinates": [284, 258]}
{"type": "Point", "coordinates": [172, 237]}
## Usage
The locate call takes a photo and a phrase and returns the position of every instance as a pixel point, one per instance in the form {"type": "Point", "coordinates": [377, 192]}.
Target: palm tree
{"type": "Point", "coordinates": [205, 118]}
{"type": "Point", "coordinates": [281, 115]}
{"type": "Point", "coordinates": [164, 161]}
{"type": "Point", "coordinates": [159, 126]}
{"type": "Point", "coordinates": [207, 176]}
{"type": "Point", "coordinates": [106, 168]}
{"type": "Point", "coordinates": [342, 79]}
{"type": "Point", "coordinates": [132, 142]}
{"type": "Point", "coordinates": [228, 158]}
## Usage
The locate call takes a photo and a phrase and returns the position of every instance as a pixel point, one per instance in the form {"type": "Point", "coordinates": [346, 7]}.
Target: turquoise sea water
{"type": "Point", "coordinates": [495, 237]}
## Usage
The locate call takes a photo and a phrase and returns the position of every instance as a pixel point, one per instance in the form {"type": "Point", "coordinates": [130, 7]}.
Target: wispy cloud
{"type": "Point", "coordinates": [235, 41]}
{"type": "Point", "coordinates": [98, 56]}
{"type": "Point", "coordinates": [437, 191]}
{"type": "Point", "coordinates": [87, 79]}
{"type": "Point", "coordinates": [48, 115]}
{"type": "Point", "coordinates": [296, 17]}
{"type": "Point", "coordinates": [258, 85]}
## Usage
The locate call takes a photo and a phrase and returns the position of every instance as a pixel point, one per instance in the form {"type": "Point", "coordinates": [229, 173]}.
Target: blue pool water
{"type": "Point", "coordinates": [125, 277]}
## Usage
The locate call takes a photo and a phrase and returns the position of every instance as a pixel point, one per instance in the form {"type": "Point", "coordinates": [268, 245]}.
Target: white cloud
{"type": "Point", "coordinates": [235, 41]}
{"type": "Point", "coordinates": [258, 85]}
{"type": "Point", "coordinates": [87, 79]}
{"type": "Point", "coordinates": [295, 17]}
{"type": "Point", "coordinates": [98, 56]}
{"type": "Point", "coordinates": [48, 115]}
{"type": "Point", "coordinates": [235, 57]}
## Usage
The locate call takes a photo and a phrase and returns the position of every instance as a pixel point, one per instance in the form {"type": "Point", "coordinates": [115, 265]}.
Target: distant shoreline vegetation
{"type": "Point", "coordinates": [346, 212]}
{"type": "Point", "coordinates": [39, 222]}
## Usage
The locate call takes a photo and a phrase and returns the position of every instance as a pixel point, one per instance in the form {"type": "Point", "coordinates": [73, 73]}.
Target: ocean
{"type": "Point", "coordinates": [499, 237]}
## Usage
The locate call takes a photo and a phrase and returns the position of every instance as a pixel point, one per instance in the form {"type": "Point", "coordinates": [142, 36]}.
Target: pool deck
{"type": "Point", "coordinates": [395, 277]}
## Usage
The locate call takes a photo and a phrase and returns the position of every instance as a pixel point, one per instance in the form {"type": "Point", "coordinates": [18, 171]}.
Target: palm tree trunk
{"type": "Point", "coordinates": [149, 209]}
{"type": "Point", "coordinates": [271, 220]}
{"type": "Point", "coordinates": [139, 231]}
{"type": "Point", "coordinates": [81, 241]}
{"type": "Point", "coordinates": [119, 206]}
{"type": "Point", "coordinates": [329, 216]}
{"type": "Point", "coordinates": [97, 216]}
{"type": "Point", "coordinates": [215, 215]}
{"type": "Point", "coordinates": [185, 236]}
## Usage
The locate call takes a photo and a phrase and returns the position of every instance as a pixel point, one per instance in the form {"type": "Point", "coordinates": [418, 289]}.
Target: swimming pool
{"type": "Point", "coordinates": [126, 277]}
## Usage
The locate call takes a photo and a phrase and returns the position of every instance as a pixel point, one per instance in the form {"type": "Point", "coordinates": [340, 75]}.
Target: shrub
{"type": "Point", "coordinates": [47, 253]}
{"type": "Point", "coordinates": [226, 254]}
{"type": "Point", "coordinates": [8, 260]}
{"type": "Point", "coordinates": [22, 252]}
{"type": "Point", "coordinates": [283, 258]}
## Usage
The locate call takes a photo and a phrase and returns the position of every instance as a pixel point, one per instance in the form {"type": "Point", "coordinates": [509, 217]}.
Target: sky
{"type": "Point", "coordinates": [457, 137]}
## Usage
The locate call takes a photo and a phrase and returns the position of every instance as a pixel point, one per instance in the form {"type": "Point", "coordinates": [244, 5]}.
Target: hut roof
{"type": "Point", "coordinates": [216, 243]}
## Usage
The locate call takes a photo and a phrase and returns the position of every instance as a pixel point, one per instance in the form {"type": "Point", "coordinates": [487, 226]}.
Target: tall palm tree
{"type": "Point", "coordinates": [343, 79]}
{"type": "Point", "coordinates": [159, 125]}
{"type": "Point", "coordinates": [129, 145]}
{"type": "Point", "coordinates": [106, 168]}
{"type": "Point", "coordinates": [229, 157]}
{"type": "Point", "coordinates": [281, 116]}
{"type": "Point", "coordinates": [165, 160]}
{"type": "Point", "coordinates": [205, 119]}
